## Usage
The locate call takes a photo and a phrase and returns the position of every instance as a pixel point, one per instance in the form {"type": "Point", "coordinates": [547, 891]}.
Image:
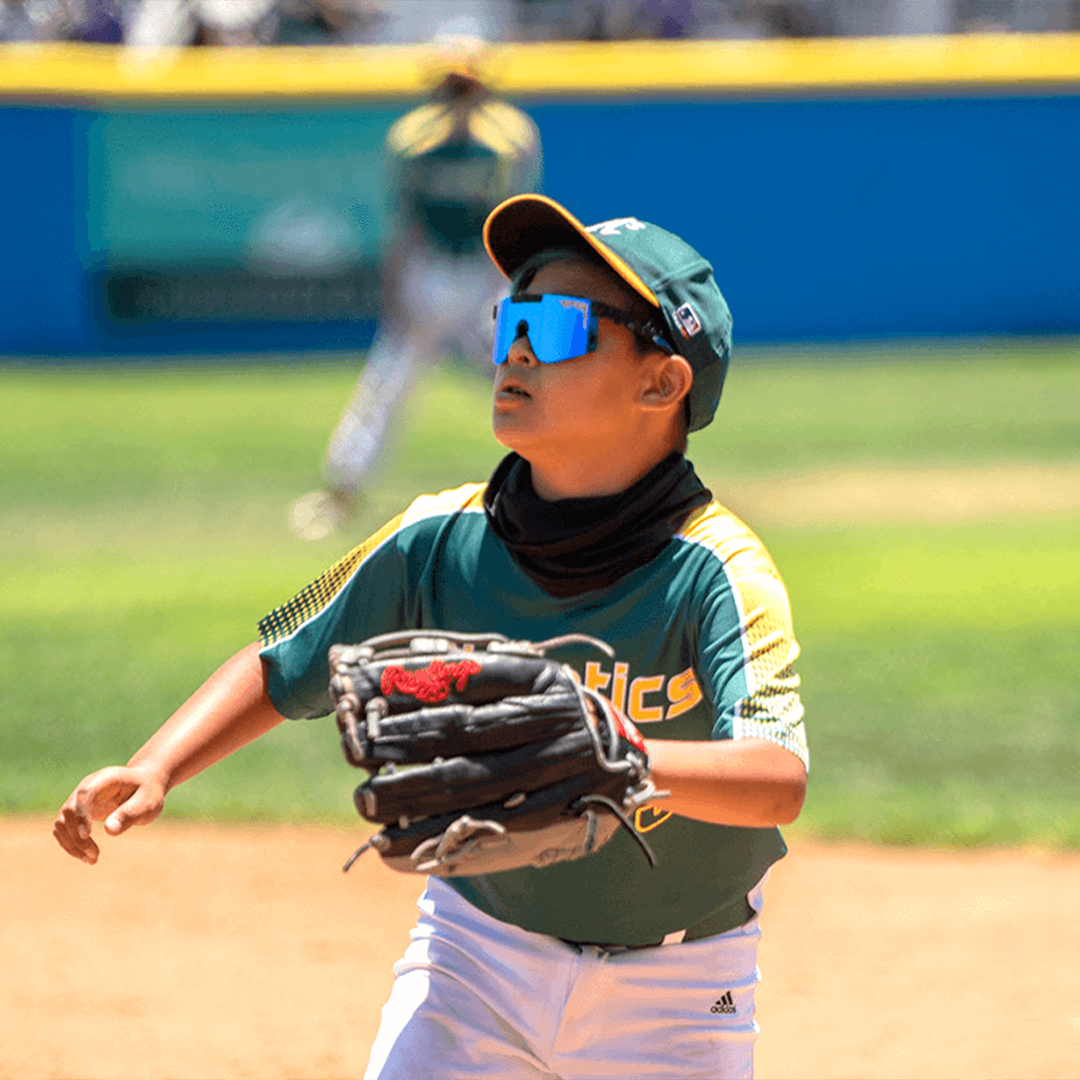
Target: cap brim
{"type": "Point", "coordinates": [526, 224]}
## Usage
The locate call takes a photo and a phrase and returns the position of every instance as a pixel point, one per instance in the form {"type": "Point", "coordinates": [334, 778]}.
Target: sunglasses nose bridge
{"type": "Point", "coordinates": [521, 349]}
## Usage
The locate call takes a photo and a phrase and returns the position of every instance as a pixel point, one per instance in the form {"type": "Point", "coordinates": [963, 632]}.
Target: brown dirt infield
{"type": "Point", "coordinates": [193, 951]}
{"type": "Point", "coordinates": [882, 495]}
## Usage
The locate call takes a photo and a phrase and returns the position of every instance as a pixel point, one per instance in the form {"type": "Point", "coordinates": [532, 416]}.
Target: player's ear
{"type": "Point", "coordinates": [668, 382]}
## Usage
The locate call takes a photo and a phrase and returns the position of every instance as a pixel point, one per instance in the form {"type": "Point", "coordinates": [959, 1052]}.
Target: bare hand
{"type": "Point", "coordinates": [121, 796]}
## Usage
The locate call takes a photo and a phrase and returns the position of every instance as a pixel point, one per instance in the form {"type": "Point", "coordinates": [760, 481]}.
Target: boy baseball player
{"type": "Point", "coordinates": [611, 347]}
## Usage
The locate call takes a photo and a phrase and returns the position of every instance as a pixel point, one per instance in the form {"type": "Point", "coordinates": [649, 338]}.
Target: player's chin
{"type": "Point", "coordinates": [510, 422]}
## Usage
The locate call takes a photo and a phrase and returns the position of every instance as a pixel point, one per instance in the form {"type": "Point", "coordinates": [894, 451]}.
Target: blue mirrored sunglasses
{"type": "Point", "coordinates": [560, 327]}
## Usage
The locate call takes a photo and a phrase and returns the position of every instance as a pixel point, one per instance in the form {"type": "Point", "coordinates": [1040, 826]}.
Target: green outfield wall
{"type": "Point", "coordinates": [231, 200]}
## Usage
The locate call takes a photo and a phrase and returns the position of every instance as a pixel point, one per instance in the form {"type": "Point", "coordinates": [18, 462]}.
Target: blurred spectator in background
{"type": "Point", "coordinates": [613, 20]}
{"type": "Point", "coordinates": [99, 21]}
{"type": "Point", "coordinates": [452, 160]}
{"type": "Point", "coordinates": [402, 22]}
{"type": "Point", "coordinates": [201, 22]}
{"type": "Point", "coordinates": [311, 22]}
{"type": "Point", "coordinates": [356, 22]}
{"type": "Point", "coordinates": [328, 22]}
{"type": "Point", "coordinates": [16, 22]}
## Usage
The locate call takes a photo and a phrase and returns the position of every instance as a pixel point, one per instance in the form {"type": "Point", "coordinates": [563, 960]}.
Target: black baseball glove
{"type": "Point", "coordinates": [484, 755]}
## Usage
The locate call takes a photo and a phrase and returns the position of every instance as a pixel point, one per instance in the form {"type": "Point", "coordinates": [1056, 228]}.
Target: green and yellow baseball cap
{"type": "Point", "coordinates": [659, 266]}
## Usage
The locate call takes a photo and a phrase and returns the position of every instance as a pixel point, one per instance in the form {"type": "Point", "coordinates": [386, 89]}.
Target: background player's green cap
{"type": "Point", "coordinates": [665, 270]}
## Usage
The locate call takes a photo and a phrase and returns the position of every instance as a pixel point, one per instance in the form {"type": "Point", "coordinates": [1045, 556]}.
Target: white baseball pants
{"type": "Point", "coordinates": [475, 997]}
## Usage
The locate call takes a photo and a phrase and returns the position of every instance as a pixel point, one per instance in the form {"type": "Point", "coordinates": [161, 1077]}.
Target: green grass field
{"type": "Point", "coordinates": [143, 535]}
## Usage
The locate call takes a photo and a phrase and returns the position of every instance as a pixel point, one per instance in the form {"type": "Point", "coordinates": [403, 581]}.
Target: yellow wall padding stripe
{"type": "Point", "coordinates": [95, 73]}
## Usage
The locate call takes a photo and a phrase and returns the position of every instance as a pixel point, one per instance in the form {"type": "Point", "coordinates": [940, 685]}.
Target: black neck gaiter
{"type": "Point", "coordinates": [571, 546]}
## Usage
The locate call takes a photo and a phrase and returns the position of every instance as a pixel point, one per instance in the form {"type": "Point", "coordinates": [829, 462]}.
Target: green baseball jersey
{"type": "Point", "coordinates": [447, 178]}
{"type": "Point", "coordinates": [703, 650]}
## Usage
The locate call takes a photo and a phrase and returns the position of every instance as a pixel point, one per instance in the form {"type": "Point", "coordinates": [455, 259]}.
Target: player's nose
{"type": "Point", "coordinates": [520, 351]}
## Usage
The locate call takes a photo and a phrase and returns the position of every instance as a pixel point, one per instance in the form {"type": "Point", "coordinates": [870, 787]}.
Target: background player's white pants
{"type": "Point", "coordinates": [446, 305]}
{"type": "Point", "coordinates": [476, 997]}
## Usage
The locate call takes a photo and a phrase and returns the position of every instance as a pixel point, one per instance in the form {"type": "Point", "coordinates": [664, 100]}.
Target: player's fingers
{"type": "Point", "coordinates": [74, 822]}
{"type": "Point", "coordinates": [69, 835]}
{"type": "Point", "coordinates": [120, 795]}
{"type": "Point", "coordinates": [98, 795]}
{"type": "Point", "coordinates": [140, 809]}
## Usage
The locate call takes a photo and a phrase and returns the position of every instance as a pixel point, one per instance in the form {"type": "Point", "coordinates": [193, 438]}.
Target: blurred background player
{"type": "Point", "coordinates": [452, 160]}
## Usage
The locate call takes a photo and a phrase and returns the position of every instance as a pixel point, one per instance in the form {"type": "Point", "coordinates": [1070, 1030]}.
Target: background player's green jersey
{"type": "Point", "coordinates": [448, 174]}
{"type": "Point", "coordinates": [703, 650]}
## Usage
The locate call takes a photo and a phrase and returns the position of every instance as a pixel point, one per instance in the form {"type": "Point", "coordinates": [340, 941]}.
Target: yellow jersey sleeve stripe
{"type": "Point", "coordinates": [420, 131]}
{"type": "Point", "coordinates": [503, 129]}
{"type": "Point", "coordinates": [770, 707]}
{"type": "Point", "coordinates": [316, 597]}
{"type": "Point", "coordinates": [466, 497]}
{"type": "Point", "coordinates": [288, 618]}
{"type": "Point", "coordinates": [728, 537]}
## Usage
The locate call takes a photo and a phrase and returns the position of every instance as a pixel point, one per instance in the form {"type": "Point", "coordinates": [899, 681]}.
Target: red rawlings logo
{"type": "Point", "coordinates": [432, 683]}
